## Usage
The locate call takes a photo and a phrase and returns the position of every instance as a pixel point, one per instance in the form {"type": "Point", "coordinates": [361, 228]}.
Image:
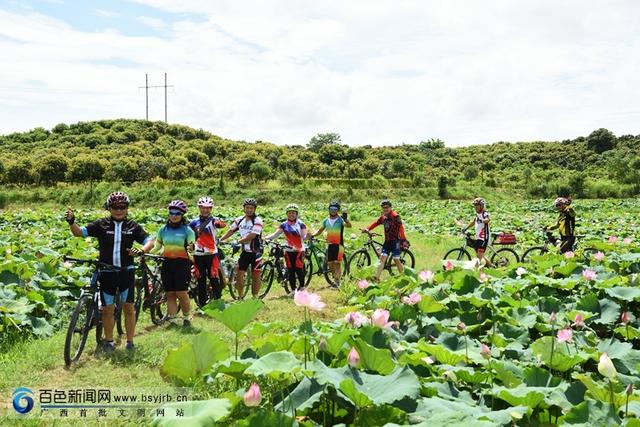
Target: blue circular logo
{"type": "Point", "coordinates": [22, 400]}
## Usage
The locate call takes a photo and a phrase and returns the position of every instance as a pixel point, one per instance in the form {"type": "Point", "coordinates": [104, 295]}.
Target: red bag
{"type": "Point", "coordinates": [506, 239]}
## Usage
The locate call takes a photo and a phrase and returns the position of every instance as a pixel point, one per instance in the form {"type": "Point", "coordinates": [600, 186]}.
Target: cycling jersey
{"type": "Point", "coordinates": [206, 234]}
{"type": "Point", "coordinates": [566, 223]}
{"type": "Point", "coordinates": [294, 231]}
{"type": "Point", "coordinates": [393, 228]}
{"type": "Point", "coordinates": [247, 226]}
{"type": "Point", "coordinates": [174, 240]}
{"type": "Point", "coordinates": [115, 238]}
{"type": "Point", "coordinates": [482, 229]}
{"type": "Point", "coordinates": [334, 227]}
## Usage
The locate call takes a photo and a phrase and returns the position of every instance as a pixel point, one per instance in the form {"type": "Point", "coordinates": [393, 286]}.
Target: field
{"type": "Point", "coordinates": [429, 367]}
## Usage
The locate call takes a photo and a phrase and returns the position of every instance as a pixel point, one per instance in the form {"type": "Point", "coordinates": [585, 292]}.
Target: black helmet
{"type": "Point", "coordinates": [334, 204]}
{"type": "Point", "coordinates": [250, 201]}
{"type": "Point", "coordinates": [385, 202]}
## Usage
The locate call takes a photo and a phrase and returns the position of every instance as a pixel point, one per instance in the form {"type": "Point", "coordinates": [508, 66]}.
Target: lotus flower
{"type": "Point", "coordinates": [353, 359]}
{"type": "Point", "coordinates": [553, 317]}
{"type": "Point", "coordinates": [412, 299]}
{"type": "Point", "coordinates": [629, 389]}
{"type": "Point", "coordinates": [380, 318]}
{"type": "Point", "coordinates": [569, 254]}
{"type": "Point", "coordinates": [627, 241]}
{"type": "Point", "coordinates": [356, 319]}
{"type": "Point", "coordinates": [309, 300]}
{"type": "Point", "coordinates": [426, 275]}
{"type": "Point", "coordinates": [521, 271]}
{"type": "Point", "coordinates": [428, 360]}
{"type": "Point", "coordinates": [613, 239]}
{"type": "Point", "coordinates": [323, 344]}
{"type": "Point", "coordinates": [485, 351]}
{"type": "Point", "coordinates": [253, 397]}
{"type": "Point", "coordinates": [606, 368]}
{"type": "Point", "coordinates": [461, 326]}
{"type": "Point", "coordinates": [448, 266]}
{"type": "Point", "coordinates": [484, 277]}
{"type": "Point", "coordinates": [579, 322]}
{"type": "Point", "coordinates": [589, 275]}
{"type": "Point", "coordinates": [624, 317]}
{"type": "Point", "coordinates": [598, 256]}
{"type": "Point", "coordinates": [565, 335]}
{"type": "Point", "coordinates": [363, 284]}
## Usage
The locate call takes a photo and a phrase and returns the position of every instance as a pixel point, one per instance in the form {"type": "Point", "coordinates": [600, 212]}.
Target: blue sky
{"type": "Point", "coordinates": [377, 72]}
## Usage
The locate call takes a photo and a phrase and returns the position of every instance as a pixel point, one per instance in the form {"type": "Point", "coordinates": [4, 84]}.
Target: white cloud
{"type": "Point", "coordinates": [376, 72]}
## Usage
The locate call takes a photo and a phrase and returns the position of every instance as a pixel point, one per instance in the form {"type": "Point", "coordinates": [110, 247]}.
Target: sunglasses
{"type": "Point", "coordinates": [119, 208]}
{"type": "Point", "coordinates": [333, 210]}
{"type": "Point", "coordinates": [175, 213]}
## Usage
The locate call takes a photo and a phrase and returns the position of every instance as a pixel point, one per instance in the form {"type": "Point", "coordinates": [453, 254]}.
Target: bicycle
{"type": "Point", "coordinates": [275, 269]}
{"type": "Point", "coordinates": [229, 268]}
{"type": "Point", "coordinates": [193, 283]}
{"type": "Point", "coordinates": [87, 313]}
{"type": "Point", "coordinates": [315, 262]}
{"type": "Point", "coordinates": [361, 258]}
{"type": "Point", "coordinates": [550, 241]}
{"type": "Point", "coordinates": [500, 258]}
{"type": "Point", "coordinates": [150, 284]}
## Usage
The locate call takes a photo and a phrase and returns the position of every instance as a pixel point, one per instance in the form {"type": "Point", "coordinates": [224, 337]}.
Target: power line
{"type": "Point", "coordinates": [146, 88]}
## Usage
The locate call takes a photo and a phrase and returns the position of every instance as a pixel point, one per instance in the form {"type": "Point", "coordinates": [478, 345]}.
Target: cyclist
{"type": "Point", "coordinates": [175, 238]}
{"type": "Point", "coordinates": [296, 232]}
{"type": "Point", "coordinates": [250, 227]}
{"type": "Point", "coordinates": [482, 229]}
{"type": "Point", "coordinates": [334, 224]}
{"type": "Point", "coordinates": [566, 224]}
{"type": "Point", "coordinates": [394, 238]}
{"type": "Point", "coordinates": [205, 255]}
{"type": "Point", "coordinates": [116, 235]}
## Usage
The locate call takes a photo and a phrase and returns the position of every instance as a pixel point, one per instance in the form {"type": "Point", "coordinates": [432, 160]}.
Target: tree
{"type": "Point", "coordinates": [323, 139]}
{"type": "Point", "coordinates": [20, 172]}
{"type": "Point", "coordinates": [123, 169]}
{"type": "Point", "coordinates": [601, 140]}
{"type": "Point", "coordinates": [431, 144]}
{"type": "Point", "coordinates": [331, 152]}
{"type": "Point", "coordinates": [260, 171]}
{"type": "Point", "coordinates": [85, 168]}
{"type": "Point", "coordinates": [52, 169]}
{"type": "Point", "coordinates": [443, 193]}
{"type": "Point", "coordinates": [470, 173]}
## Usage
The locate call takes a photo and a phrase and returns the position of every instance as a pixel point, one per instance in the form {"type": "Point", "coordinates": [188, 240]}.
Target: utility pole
{"type": "Point", "coordinates": [147, 87]}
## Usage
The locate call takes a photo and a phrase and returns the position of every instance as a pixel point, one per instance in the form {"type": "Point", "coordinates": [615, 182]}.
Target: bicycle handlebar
{"type": "Point", "coordinates": [91, 261]}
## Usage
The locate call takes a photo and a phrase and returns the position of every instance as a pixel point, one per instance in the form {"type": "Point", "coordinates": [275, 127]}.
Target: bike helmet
{"type": "Point", "coordinates": [178, 205]}
{"type": "Point", "coordinates": [385, 202]}
{"type": "Point", "coordinates": [205, 202]}
{"type": "Point", "coordinates": [560, 201]}
{"type": "Point", "coordinates": [117, 198]}
{"type": "Point", "coordinates": [334, 204]}
{"type": "Point", "coordinates": [250, 201]}
{"type": "Point", "coordinates": [478, 201]}
{"type": "Point", "coordinates": [292, 207]}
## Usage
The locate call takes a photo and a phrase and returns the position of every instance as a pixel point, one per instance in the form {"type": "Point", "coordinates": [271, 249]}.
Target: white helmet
{"type": "Point", "coordinates": [205, 202]}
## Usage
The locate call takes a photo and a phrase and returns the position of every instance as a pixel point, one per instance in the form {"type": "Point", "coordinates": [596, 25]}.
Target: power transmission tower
{"type": "Point", "coordinates": [146, 88]}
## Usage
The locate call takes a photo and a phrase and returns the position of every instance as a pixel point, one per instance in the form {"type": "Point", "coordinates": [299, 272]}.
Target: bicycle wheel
{"type": "Point", "coordinates": [158, 302]}
{"type": "Point", "coordinates": [406, 258]}
{"type": "Point", "coordinates": [118, 316]}
{"type": "Point", "coordinates": [78, 330]}
{"type": "Point", "coordinates": [535, 251]}
{"type": "Point", "coordinates": [359, 260]}
{"type": "Point", "coordinates": [247, 284]}
{"type": "Point", "coordinates": [504, 257]}
{"type": "Point", "coordinates": [328, 274]}
{"type": "Point", "coordinates": [266, 277]}
{"type": "Point", "coordinates": [457, 254]}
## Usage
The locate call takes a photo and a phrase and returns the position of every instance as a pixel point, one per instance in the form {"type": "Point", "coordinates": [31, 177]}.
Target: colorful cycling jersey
{"type": "Point", "coordinates": [295, 232]}
{"type": "Point", "coordinates": [174, 240]}
{"type": "Point", "coordinates": [566, 223]}
{"type": "Point", "coordinates": [393, 228]}
{"type": "Point", "coordinates": [206, 234]}
{"type": "Point", "coordinates": [335, 230]}
{"type": "Point", "coordinates": [115, 238]}
{"type": "Point", "coordinates": [247, 226]}
{"type": "Point", "coordinates": [482, 229]}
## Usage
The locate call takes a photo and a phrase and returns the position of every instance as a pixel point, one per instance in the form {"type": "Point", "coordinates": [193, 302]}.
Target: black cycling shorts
{"type": "Point", "coordinates": [567, 243]}
{"type": "Point", "coordinates": [114, 283]}
{"type": "Point", "coordinates": [176, 274]}
{"type": "Point", "coordinates": [479, 244]}
{"type": "Point", "coordinates": [335, 252]}
{"type": "Point", "coordinates": [252, 259]}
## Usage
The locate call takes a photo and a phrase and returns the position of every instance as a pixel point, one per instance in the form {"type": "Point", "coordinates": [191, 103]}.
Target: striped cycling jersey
{"type": "Point", "coordinates": [174, 241]}
{"type": "Point", "coordinates": [335, 230]}
{"type": "Point", "coordinates": [294, 231]}
{"type": "Point", "coordinates": [115, 238]}
{"type": "Point", "coordinates": [248, 226]}
{"type": "Point", "coordinates": [482, 229]}
{"type": "Point", "coordinates": [206, 234]}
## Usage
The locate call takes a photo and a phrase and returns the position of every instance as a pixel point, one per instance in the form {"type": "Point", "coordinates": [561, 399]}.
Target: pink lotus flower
{"type": "Point", "coordinates": [624, 317]}
{"type": "Point", "coordinates": [307, 299]}
{"type": "Point", "coordinates": [484, 277]}
{"type": "Point", "coordinates": [426, 276]}
{"type": "Point", "coordinates": [629, 389]}
{"type": "Point", "coordinates": [565, 335]}
{"type": "Point", "coordinates": [589, 275]}
{"type": "Point", "coordinates": [355, 319]}
{"type": "Point", "coordinates": [353, 359]}
{"type": "Point", "coordinates": [579, 322]}
{"type": "Point", "coordinates": [553, 317]}
{"type": "Point", "coordinates": [462, 326]}
{"type": "Point", "coordinates": [485, 351]}
{"type": "Point", "coordinates": [363, 284]}
{"type": "Point", "coordinates": [380, 318]}
{"type": "Point", "coordinates": [448, 266]}
{"type": "Point", "coordinates": [412, 299]}
{"type": "Point", "coordinates": [598, 256]}
{"type": "Point", "coordinates": [569, 254]}
{"type": "Point", "coordinates": [323, 344]}
{"type": "Point", "coordinates": [627, 241]}
{"type": "Point", "coordinates": [253, 397]}
{"type": "Point", "coordinates": [613, 239]}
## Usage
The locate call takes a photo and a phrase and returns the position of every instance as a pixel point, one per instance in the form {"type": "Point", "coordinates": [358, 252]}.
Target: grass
{"type": "Point", "coordinates": [39, 364]}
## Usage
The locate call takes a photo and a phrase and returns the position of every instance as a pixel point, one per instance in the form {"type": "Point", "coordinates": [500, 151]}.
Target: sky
{"type": "Point", "coordinates": [377, 72]}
